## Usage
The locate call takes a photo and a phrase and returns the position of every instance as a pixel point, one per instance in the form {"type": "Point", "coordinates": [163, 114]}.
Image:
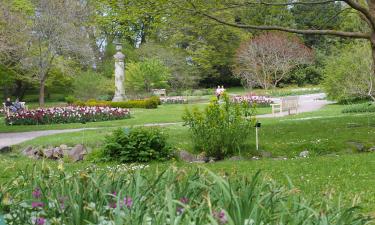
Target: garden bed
{"type": "Point", "coordinates": [259, 101]}
{"type": "Point", "coordinates": [69, 114]}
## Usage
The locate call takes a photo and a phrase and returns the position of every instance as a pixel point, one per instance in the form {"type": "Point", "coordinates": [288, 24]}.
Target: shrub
{"type": "Point", "coordinates": [149, 103]}
{"type": "Point", "coordinates": [134, 194]}
{"type": "Point", "coordinates": [222, 128]}
{"type": "Point", "coordinates": [136, 145]}
{"type": "Point", "coordinates": [359, 108]}
{"type": "Point", "coordinates": [70, 99]}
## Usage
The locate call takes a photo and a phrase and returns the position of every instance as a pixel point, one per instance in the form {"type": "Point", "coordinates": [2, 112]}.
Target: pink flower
{"type": "Point", "coordinates": [40, 221]}
{"type": "Point", "coordinates": [220, 216]}
{"type": "Point", "coordinates": [128, 202]}
{"type": "Point", "coordinates": [37, 204]}
{"type": "Point", "coordinates": [37, 193]}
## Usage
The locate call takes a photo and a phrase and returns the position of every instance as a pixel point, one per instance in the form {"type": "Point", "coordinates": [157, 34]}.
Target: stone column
{"type": "Point", "coordinates": [119, 75]}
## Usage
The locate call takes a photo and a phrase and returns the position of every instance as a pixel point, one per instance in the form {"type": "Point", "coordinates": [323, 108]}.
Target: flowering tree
{"type": "Point", "coordinates": [266, 59]}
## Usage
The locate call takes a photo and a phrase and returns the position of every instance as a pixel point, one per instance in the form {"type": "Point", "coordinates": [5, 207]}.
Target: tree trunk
{"type": "Point", "coordinates": [372, 41]}
{"type": "Point", "coordinates": [41, 92]}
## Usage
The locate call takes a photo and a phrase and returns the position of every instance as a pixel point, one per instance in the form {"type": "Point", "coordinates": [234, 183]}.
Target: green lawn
{"type": "Point", "coordinates": [335, 168]}
{"type": "Point", "coordinates": [168, 113]}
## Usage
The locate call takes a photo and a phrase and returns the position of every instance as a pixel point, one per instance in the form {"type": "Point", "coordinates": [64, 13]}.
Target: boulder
{"type": "Point", "coordinates": [357, 145]}
{"type": "Point", "coordinates": [202, 157]}
{"type": "Point", "coordinates": [64, 147]}
{"type": "Point", "coordinates": [77, 153]}
{"type": "Point", "coordinates": [236, 158]}
{"type": "Point", "coordinates": [266, 154]}
{"type": "Point", "coordinates": [27, 150]}
{"type": "Point", "coordinates": [304, 154]}
{"type": "Point", "coordinates": [48, 153]}
{"type": "Point", "coordinates": [186, 156]}
{"type": "Point", "coordinates": [5, 149]}
{"type": "Point", "coordinates": [58, 153]}
{"type": "Point", "coordinates": [255, 158]}
{"type": "Point", "coordinates": [372, 149]}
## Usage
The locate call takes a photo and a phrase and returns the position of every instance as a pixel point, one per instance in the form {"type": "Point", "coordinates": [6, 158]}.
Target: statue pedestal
{"type": "Point", "coordinates": [119, 76]}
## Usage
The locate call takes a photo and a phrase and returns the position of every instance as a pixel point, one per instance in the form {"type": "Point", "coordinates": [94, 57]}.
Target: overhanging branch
{"type": "Point", "coordinates": [357, 35]}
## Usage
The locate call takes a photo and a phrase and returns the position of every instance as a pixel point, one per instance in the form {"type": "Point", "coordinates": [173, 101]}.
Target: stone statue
{"type": "Point", "coordinates": [119, 75]}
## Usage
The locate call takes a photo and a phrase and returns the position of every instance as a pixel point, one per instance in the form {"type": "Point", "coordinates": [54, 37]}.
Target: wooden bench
{"type": "Point", "coordinates": [7, 110]}
{"type": "Point", "coordinates": [289, 104]}
{"type": "Point", "coordinates": [159, 92]}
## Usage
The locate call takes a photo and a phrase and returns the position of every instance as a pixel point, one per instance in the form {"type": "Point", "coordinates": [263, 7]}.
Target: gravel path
{"type": "Point", "coordinates": [307, 103]}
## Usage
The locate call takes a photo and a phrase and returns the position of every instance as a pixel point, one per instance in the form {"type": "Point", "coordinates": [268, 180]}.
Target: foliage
{"type": "Point", "coordinates": [183, 73]}
{"type": "Point", "coordinates": [66, 115]}
{"type": "Point", "coordinates": [149, 103]}
{"type": "Point", "coordinates": [268, 58]}
{"type": "Point", "coordinates": [124, 195]}
{"type": "Point", "coordinates": [222, 129]}
{"type": "Point", "coordinates": [359, 108]}
{"type": "Point", "coordinates": [70, 99]}
{"type": "Point", "coordinates": [141, 144]}
{"type": "Point", "coordinates": [146, 75]}
{"type": "Point", "coordinates": [343, 82]}
{"type": "Point", "coordinates": [90, 85]}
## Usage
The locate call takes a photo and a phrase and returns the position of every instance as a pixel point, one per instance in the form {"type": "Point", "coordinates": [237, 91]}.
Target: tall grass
{"type": "Point", "coordinates": [126, 195]}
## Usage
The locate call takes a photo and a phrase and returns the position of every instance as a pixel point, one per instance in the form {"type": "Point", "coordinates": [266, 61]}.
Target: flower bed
{"type": "Point", "coordinates": [259, 101]}
{"type": "Point", "coordinates": [173, 100]}
{"type": "Point", "coordinates": [67, 115]}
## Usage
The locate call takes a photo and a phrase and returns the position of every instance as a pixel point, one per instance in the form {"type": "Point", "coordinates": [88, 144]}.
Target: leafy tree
{"type": "Point", "coordinates": [146, 75]}
{"type": "Point", "coordinates": [183, 73]}
{"type": "Point", "coordinates": [91, 85]}
{"type": "Point", "coordinates": [343, 82]}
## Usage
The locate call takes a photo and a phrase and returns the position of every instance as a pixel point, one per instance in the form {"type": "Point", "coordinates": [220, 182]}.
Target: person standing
{"type": "Point", "coordinates": [218, 92]}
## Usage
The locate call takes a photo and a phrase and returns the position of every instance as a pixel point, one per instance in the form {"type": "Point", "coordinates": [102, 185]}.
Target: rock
{"type": "Point", "coordinates": [48, 153]}
{"type": "Point", "coordinates": [202, 157]}
{"type": "Point", "coordinates": [77, 153]}
{"type": "Point", "coordinates": [266, 154]}
{"type": "Point", "coordinates": [186, 156]}
{"type": "Point", "coordinates": [64, 147]}
{"type": "Point", "coordinates": [27, 150]}
{"type": "Point", "coordinates": [357, 145]}
{"type": "Point", "coordinates": [5, 149]}
{"type": "Point", "coordinates": [304, 154]}
{"type": "Point", "coordinates": [255, 158]}
{"type": "Point", "coordinates": [280, 158]}
{"type": "Point", "coordinates": [236, 158]}
{"type": "Point", "coordinates": [372, 149]}
{"type": "Point", "coordinates": [58, 153]}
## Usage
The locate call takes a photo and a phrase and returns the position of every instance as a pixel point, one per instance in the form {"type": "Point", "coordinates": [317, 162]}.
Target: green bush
{"type": "Point", "coordinates": [359, 108]}
{"type": "Point", "coordinates": [70, 99]}
{"type": "Point", "coordinates": [222, 129]}
{"type": "Point", "coordinates": [149, 103]}
{"type": "Point", "coordinates": [136, 145]}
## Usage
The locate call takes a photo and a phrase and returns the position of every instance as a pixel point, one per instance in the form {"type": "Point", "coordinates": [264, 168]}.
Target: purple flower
{"type": "Point", "coordinates": [179, 210]}
{"type": "Point", "coordinates": [62, 202]}
{"type": "Point", "coordinates": [128, 202]}
{"type": "Point", "coordinates": [114, 193]}
{"type": "Point", "coordinates": [37, 193]}
{"type": "Point", "coordinates": [113, 205]}
{"type": "Point", "coordinates": [220, 216]}
{"type": "Point", "coordinates": [37, 204]}
{"type": "Point", "coordinates": [184, 200]}
{"type": "Point", "coordinates": [40, 221]}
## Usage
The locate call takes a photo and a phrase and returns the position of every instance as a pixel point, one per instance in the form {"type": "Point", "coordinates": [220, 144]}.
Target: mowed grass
{"type": "Point", "coordinates": [168, 113]}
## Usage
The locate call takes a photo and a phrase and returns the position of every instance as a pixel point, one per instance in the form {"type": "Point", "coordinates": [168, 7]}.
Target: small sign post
{"type": "Point", "coordinates": [257, 126]}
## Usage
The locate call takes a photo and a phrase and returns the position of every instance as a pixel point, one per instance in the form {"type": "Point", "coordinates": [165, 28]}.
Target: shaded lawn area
{"type": "Point", "coordinates": [168, 113]}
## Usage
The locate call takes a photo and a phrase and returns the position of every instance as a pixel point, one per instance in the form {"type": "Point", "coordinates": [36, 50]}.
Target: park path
{"type": "Point", "coordinates": [307, 103]}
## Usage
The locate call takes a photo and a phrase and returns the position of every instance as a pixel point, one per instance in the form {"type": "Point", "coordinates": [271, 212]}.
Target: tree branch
{"type": "Point", "coordinates": [361, 9]}
{"type": "Point", "coordinates": [358, 35]}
